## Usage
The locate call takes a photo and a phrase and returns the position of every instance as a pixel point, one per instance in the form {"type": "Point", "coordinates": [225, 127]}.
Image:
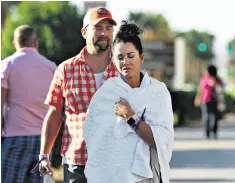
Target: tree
{"type": "Point", "coordinates": [5, 8]}
{"type": "Point", "coordinates": [156, 26]}
{"type": "Point", "coordinates": [200, 44]}
{"type": "Point", "coordinates": [57, 25]}
{"type": "Point", "coordinates": [231, 64]}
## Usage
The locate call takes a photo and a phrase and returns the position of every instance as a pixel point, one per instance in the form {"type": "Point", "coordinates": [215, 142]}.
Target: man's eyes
{"type": "Point", "coordinates": [103, 28]}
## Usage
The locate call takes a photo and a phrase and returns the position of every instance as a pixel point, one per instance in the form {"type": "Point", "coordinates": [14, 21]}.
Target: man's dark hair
{"type": "Point", "coordinates": [129, 32]}
{"type": "Point", "coordinates": [24, 35]}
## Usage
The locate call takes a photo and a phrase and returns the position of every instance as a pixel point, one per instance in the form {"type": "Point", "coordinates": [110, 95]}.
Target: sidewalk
{"type": "Point", "coordinates": [228, 119]}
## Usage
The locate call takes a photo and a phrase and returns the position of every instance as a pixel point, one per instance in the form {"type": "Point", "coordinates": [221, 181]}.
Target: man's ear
{"type": "Point", "coordinates": [35, 42]}
{"type": "Point", "coordinates": [14, 44]}
{"type": "Point", "coordinates": [142, 58]}
{"type": "Point", "coordinates": [84, 31]}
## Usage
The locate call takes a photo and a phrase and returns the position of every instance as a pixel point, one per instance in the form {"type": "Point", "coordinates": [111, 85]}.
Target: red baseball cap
{"type": "Point", "coordinates": [95, 15]}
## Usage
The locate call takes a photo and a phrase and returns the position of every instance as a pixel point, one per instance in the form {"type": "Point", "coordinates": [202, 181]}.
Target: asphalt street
{"type": "Point", "coordinates": [198, 160]}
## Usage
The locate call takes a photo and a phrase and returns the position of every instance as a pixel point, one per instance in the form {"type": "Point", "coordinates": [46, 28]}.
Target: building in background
{"type": "Point", "coordinates": [169, 61]}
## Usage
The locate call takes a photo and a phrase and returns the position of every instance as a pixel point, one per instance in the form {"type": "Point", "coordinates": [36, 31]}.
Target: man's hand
{"type": "Point", "coordinates": [123, 109]}
{"type": "Point", "coordinates": [45, 167]}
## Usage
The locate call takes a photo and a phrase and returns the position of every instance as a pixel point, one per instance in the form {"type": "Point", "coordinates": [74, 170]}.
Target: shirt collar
{"type": "Point", "coordinates": [145, 81]}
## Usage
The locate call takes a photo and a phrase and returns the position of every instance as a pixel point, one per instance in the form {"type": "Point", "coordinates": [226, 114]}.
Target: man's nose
{"type": "Point", "coordinates": [104, 32]}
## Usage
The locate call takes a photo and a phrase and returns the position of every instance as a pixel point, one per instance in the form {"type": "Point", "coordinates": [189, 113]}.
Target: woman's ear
{"type": "Point", "coordinates": [142, 58]}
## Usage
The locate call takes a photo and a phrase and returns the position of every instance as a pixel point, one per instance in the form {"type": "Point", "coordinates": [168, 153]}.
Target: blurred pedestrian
{"type": "Point", "coordinates": [25, 80]}
{"type": "Point", "coordinates": [129, 126]}
{"type": "Point", "coordinates": [210, 99]}
{"type": "Point", "coordinates": [75, 82]}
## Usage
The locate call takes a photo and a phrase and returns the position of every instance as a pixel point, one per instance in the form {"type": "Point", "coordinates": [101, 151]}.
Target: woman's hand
{"type": "Point", "coordinates": [197, 101]}
{"type": "Point", "coordinates": [123, 109]}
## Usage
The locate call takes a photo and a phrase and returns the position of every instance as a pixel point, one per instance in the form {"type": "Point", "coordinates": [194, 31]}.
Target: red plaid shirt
{"type": "Point", "coordinates": [75, 82]}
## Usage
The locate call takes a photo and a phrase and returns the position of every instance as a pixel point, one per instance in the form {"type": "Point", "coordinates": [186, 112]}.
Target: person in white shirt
{"type": "Point", "coordinates": [129, 125]}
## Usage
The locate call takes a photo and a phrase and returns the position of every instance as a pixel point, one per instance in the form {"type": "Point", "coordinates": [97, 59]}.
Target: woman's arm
{"type": "Point", "coordinates": [145, 132]}
{"type": "Point", "coordinates": [123, 109]}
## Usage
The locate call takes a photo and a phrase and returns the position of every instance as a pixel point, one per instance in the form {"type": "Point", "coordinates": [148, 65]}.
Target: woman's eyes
{"type": "Point", "coordinates": [129, 56]}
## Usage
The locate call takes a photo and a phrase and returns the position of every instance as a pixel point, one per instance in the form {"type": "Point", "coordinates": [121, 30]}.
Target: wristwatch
{"type": "Point", "coordinates": [132, 120]}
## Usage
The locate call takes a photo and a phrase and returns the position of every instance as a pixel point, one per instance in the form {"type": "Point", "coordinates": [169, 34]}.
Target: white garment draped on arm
{"type": "Point", "coordinates": [115, 152]}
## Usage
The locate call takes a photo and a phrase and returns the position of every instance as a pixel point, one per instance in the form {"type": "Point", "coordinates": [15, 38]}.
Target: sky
{"type": "Point", "coordinates": [213, 16]}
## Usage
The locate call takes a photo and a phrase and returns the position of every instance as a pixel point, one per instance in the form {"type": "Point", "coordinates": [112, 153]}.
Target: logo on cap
{"type": "Point", "coordinates": [102, 11]}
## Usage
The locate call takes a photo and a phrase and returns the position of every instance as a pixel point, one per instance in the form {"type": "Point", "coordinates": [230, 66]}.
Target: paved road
{"type": "Point", "coordinates": [197, 160]}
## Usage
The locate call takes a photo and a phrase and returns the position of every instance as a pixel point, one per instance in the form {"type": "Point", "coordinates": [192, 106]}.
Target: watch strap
{"type": "Point", "coordinates": [132, 120]}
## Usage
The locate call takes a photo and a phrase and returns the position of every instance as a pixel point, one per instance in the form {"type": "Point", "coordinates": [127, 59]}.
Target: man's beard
{"type": "Point", "coordinates": [101, 47]}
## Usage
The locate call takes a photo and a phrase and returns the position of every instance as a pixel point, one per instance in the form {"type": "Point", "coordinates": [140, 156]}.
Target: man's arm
{"type": "Point", "coordinates": [198, 97]}
{"type": "Point", "coordinates": [4, 92]}
{"type": "Point", "coordinates": [50, 129]}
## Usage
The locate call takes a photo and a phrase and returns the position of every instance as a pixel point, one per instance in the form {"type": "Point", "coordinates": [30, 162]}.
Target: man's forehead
{"type": "Point", "coordinates": [104, 22]}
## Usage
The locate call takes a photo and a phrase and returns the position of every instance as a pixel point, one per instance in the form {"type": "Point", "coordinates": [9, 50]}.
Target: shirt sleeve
{"type": "Point", "coordinates": [55, 94]}
{"type": "Point", "coordinates": [6, 67]}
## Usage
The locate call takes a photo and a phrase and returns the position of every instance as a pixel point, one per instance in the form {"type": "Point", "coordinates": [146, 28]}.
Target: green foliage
{"type": "Point", "coordinates": [230, 102]}
{"type": "Point", "coordinates": [57, 25]}
{"type": "Point", "coordinates": [200, 43]}
{"type": "Point", "coordinates": [155, 22]}
{"type": "Point", "coordinates": [5, 8]}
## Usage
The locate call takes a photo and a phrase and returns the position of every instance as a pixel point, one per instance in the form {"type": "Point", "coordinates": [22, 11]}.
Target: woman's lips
{"type": "Point", "coordinates": [126, 69]}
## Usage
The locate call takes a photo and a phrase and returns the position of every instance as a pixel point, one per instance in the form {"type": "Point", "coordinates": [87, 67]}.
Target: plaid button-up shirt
{"type": "Point", "coordinates": [75, 82]}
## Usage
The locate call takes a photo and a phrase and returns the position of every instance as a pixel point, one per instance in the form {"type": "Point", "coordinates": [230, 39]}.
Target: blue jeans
{"type": "Point", "coordinates": [210, 117]}
{"type": "Point", "coordinates": [74, 174]}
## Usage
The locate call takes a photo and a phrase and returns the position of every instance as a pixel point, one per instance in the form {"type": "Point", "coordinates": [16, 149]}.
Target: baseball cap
{"type": "Point", "coordinates": [95, 15]}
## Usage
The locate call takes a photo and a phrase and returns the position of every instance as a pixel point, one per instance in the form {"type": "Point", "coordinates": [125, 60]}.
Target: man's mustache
{"type": "Point", "coordinates": [103, 39]}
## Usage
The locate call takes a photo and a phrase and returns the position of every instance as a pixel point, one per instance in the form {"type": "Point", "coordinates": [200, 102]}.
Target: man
{"type": "Point", "coordinates": [75, 82]}
{"type": "Point", "coordinates": [25, 79]}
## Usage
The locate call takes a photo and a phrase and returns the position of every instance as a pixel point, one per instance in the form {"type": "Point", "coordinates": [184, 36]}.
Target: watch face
{"type": "Point", "coordinates": [131, 121]}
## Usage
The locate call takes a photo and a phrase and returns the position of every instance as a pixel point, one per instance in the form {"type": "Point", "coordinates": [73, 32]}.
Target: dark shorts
{"type": "Point", "coordinates": [74, 174]}
{"type": "Point", "coordinates": [19, 156]}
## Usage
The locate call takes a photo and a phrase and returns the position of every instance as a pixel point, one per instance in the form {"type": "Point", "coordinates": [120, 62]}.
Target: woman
{"type": "Point", "coordinates": [129, 125]}
{"type": "Point", "coordinates": [211, 100]}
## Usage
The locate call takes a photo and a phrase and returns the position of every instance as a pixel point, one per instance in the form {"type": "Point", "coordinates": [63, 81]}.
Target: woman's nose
{"type": "Point", "coordinates": [126, 61]}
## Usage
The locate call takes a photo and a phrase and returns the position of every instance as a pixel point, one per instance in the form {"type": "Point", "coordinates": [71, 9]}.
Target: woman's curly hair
{"type": "Point", "coordinates": [129, 32]}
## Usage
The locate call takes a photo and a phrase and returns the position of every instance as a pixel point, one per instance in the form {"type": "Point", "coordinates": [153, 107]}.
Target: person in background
{"type": "Point", "coordinates": [210, 99]}
{"type": "Point", "coordinates": [75, 82]}
{"type": "Point", "coordinates": [25, 80]}
{"type": "Point", "coordinates": [129, 125]}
